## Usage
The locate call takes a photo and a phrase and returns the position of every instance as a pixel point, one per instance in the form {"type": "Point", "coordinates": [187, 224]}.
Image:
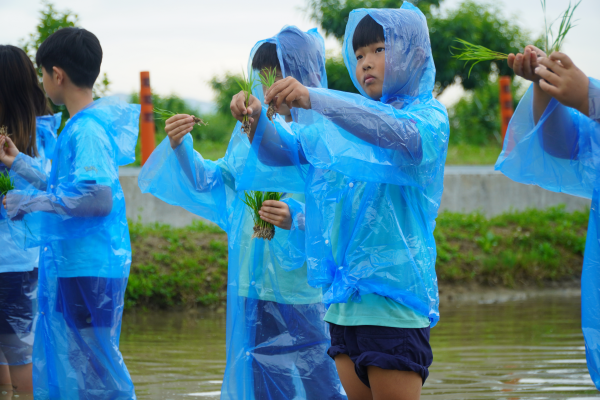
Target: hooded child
{"type": "Point", "coordinates": [76, 215]}
{"type": "Point", "coordinates": [28, 119]}
{"type": "Point", "coordinates": [372, 190]}
{"type": "Point", "coordinates": [276, 337]}
{"type": "Point", "coordinates": [553, 141]}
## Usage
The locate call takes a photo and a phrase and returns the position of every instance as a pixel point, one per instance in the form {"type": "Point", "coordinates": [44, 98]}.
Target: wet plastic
{"type": "Point", "coordinates": [277, 340]}
{"type": "Point", "coordinates": [18, 287]}
{"type": "Point", "coordinates": [376, 178]}
{"type": "Point", "coordinates": [562, 154]}
{"type": "Point", "coordinates": [76, 215]}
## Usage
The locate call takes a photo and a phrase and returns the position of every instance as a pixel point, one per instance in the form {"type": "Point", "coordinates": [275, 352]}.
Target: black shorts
{"type": "Point", "coordinates": [88, 301]}
{"type": "Point", "coordinates": [401, 349]}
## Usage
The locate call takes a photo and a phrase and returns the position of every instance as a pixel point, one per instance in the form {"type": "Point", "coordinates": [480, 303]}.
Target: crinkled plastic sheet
{"type": "Point", "coordinates": [18, 282]}
{"type": "Point", "coordinates": [276, 338]}
{"type": "Point", "coordinates": [561, 153]}
{"type": "Point", "coordinates": [376, 178]}
{"type": "Point", "coordinates": [76, 215]}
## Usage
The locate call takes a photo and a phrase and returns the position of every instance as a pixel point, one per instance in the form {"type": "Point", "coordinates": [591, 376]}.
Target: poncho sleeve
{"type": "Point", "coordinates": [594, 99]}
{"type": "Point", "coordinates": [182, 177]}
{"type": "Point", "coordinates": [291, 254]}
{"type": "Point", "coordinates": [559, 153]}
{"type": "Point", "coordinates": [28, 173]}
{"type": "Point", "coordinates": [75, 206]}
{"type": "Point", "coordinates": [376, 142]}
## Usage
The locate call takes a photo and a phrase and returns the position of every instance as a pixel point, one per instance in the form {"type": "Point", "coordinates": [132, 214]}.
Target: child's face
{"type": "Point", "coordinates": [370, 68]}
{"type": "Point", "coordinates": [283, 108]}
{"type": "Point", "coordinates": [52, 85]}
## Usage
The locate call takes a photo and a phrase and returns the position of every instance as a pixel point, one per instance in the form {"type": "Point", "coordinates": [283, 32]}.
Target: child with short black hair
{"type": "Point", "coordinates": [552, 142]}
{"type": "Point", "coordinates": [373, 189]}
{"type": "Point", "coordinates": [77, 217]}
{"type": "Point", "coordinates": [26, 116]}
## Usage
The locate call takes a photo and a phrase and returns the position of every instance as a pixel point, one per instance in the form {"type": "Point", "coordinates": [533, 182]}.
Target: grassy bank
{"type": "Point", "coordinates": [187, 267]}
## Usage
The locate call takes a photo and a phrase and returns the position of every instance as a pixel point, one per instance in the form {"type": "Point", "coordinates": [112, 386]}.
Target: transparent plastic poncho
{"type": "Point", "coordinates": [561, 153]}
{"type": "Point", "coordinates": [375, 179]}
{"type": "Point", "coordinates": [18, 290]}
{"type": "Point", "coordinates": [76, 215]}
{"type": "Point", "coordinates": [277, 340]}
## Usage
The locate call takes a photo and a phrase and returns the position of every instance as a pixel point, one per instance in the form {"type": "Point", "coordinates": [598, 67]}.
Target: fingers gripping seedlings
{"type": "Point", "coordinates": [267, 78]}
{"type": "Point", "coordinates": [475, 53]}
{"type": "Point", "coordinates": [4, 133]}
{"type": "Point", "coordinates": [246, 85]}
{"type": "Point", "coordinates": [166, 114]}
{"type": "Point", "coordinates": [254, 200]}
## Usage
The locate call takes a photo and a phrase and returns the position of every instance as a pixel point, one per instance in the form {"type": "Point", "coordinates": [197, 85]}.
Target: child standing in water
{"type": "Point", "coordinates": [76, 215]}
{"type": "Point", "coordinates": [276, 337]}
{"type": "Point", "coordinates": [552, 141]}
{"type": "Point", "coordinates": [373, 189]}
{"type": "Point", "coordinates": [25, 113]}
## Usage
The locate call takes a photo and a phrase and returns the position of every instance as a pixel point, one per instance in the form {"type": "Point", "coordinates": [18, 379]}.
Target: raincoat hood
{"type": "Point", "coordinates": [409, 67]}
{"type": "Point", "coordinates": [120, 121]}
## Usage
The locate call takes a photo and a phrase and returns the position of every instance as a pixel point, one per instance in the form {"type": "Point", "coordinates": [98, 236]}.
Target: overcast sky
{"type": "Point", "coordinates": [183, 43]}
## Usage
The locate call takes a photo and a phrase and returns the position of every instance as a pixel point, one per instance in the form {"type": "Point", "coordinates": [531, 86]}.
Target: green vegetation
{"type": "Point", "coordinates": [471, 154]}
{"type": "Point", "coordinates": [6, 183]}
{"type": "Point", "coordinates": [187, 267]}
{"type": "Point", "coordinates": [254, 200]}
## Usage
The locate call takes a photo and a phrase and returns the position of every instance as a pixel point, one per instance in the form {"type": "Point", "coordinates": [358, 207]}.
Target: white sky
{"type": "Point", "coordinates": [183, 43]}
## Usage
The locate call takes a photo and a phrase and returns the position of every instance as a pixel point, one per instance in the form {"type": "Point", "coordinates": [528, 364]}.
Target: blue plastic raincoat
{"type": "Point", "coordinates": [561, 153]}
{"type": "Point", "coordinates": [18, 285]}
{"type": "Point", "coordinates": [276, 338]}
{"type": "Point", "coordinates": [376, 177]}
{"type": "Point", "coordinates": [76, 215]}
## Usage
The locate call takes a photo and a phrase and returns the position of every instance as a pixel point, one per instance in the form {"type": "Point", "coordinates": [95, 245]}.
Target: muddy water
{"type": "Point", "coordinates": [531, 349]}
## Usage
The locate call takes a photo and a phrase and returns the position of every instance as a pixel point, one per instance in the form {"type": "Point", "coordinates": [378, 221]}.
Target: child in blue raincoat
{"type": "Point", "coordinates": [276, 337]}
{"type": "Point", "coordinates": [552, 141]}
{"type": "Point", "coordinates": [373, 190]}
{"type": "Point", "coordinates": [76, 215]}
{"type": "Point", "coordinates": [26, 115]}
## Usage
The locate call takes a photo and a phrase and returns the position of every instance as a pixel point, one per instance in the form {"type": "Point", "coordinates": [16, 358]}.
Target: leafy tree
{"type": "Point", "coordinates": [225, 88]}
{"type": "Point", "coordinates": [476, 23]}
{"type": "Point", "coordinates": [337, 75]}
{"type": "Point", "coordinates": [52, 20]}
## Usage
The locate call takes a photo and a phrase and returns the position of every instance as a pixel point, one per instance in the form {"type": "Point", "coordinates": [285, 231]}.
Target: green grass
{"type": "Point", "coordinates": [187, 267]}
{"type": "Point", "coordinates": [468, 154]}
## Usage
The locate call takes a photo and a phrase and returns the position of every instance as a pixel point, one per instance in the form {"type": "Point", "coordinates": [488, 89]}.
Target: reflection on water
{"type": "Point", "coordinates": [530, 349]}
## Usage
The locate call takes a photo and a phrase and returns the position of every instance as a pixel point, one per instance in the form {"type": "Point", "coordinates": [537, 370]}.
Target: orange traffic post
{"type": "Point", "coordinates": [506, 103]}
{"type": "Point", "coordinates": [147, 117]}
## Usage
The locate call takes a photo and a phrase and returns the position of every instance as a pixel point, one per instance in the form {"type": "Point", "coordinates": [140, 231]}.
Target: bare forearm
{"type": "Point", "coordinates": [541, 100]}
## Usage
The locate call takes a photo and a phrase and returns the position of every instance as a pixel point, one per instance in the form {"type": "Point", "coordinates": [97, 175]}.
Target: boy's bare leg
{"type": "Point", "coordinates": [22, 377]}
{"type": "Point", "coordinates": [389, 384]}
{"type": "Point", "coordinates": [5, 383]}
{"type": "Point", "coordinates": [355, 389]}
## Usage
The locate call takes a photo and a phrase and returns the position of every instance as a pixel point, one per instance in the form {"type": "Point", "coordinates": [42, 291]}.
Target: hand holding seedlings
{"type": "Point", "coordinates": [565, 82]}
{"type": "Point", "coordinates": [290, 92]}
{"type": "Point", "coordinates": [177, 127]}
{"type": "Point", "coordinates": [525, 64]}
{"type": "Point", "coordinates": [8, 151]}
{"type": "Point", "coordinates": [166, 114]}
{"type": "Point", "coordinates": [276, 213]}
{"type": "Point", "coordinates": [267, 78]}
{"type": "Point", "coordinates": [240, 103]}
{"type": "Point", "coordinates": [255, 200]}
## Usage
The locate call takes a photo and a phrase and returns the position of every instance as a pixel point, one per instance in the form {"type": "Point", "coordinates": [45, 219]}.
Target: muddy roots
{"type": "Point", "coordinates": [271, 111]}
{"type": "Point", "coordinates": [246, 126]}
{"type": "Point", "coordinates": [198, 121]}
{"type": "Point", "coordinates": [264, 232]}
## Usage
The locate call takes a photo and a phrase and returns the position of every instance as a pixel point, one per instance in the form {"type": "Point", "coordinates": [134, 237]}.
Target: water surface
{"type": "Point", "coordinates": [531, 349]}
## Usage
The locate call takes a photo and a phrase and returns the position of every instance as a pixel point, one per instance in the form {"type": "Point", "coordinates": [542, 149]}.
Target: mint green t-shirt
{"type": "Point", "coordinates": [375, 310]}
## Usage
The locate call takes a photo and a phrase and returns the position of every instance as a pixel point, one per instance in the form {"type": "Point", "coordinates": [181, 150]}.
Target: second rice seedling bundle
{"type": "Point", "coordinates": [475, 54]}
{"type": "Point", "coordinates": [246, 85]}
{"type": "Point", "coordinates": [6, 183]}
{"type": "Point", "coordinates": [255, 200]}
{"type": "Point", "coordinates": [267, 78]}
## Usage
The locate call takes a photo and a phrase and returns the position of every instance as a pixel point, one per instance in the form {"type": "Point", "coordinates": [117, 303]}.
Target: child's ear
{"type": "Point", "coordinates": [58, 75]}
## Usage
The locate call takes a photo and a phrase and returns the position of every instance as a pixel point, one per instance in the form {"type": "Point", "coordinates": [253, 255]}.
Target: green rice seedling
{"type": "Point", "coordinates": [166, 114]}
{"type": "Point", "coordinates": [472, 53]}
{"type": "Point", "coordinates": [254, 200]}
{"type": "Point", "coordinates": [6, 183]}
{"type": "Point", "coordinates": [246, 85]}
{"type": "Point", "coordinates": [4, 132]}
{"type": "Point", "coordinates": [267, 78]}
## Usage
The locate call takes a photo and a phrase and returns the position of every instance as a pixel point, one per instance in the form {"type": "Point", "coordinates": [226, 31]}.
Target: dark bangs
{"type": "Point", "coordinates": [367, 32]}
{"type": "Point", "coordinates": [266, 57]}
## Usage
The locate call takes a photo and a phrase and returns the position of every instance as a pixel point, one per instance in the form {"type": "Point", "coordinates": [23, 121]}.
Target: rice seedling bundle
{"type": "Point", "coordinates": [246, 85]}
{"type": "Point", "coordinates": [254, 200]}
{"type": "Point", "coordinates": [267, 78]}
{"type": "Point", "coordinates": [472, 53]}
{"type": "Point", "coordinates": [6, 183]}
{"type": "Point", "coordinates": [166, 114]}
{"type": "Point", "coordinates": [4, 133]}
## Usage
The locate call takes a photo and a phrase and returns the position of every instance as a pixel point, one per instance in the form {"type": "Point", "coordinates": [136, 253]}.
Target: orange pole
{"type": "Point", "coordinates": [147, 117]}
{"type": "Point", "coordinates": [506, 103]}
